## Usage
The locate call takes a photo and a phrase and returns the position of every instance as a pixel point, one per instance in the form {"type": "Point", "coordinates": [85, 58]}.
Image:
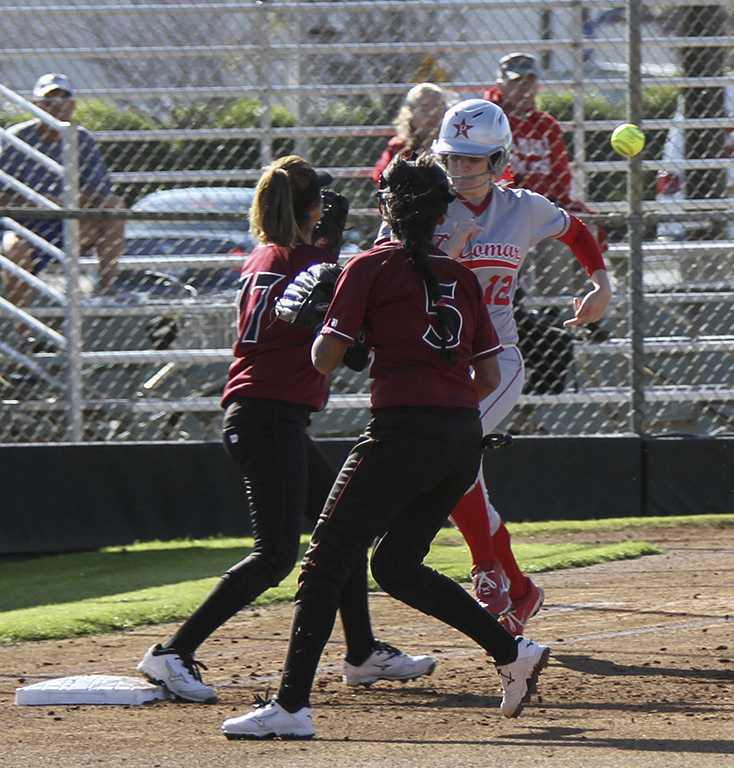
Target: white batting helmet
{"type": "Point", "coordinates": [477, 128]}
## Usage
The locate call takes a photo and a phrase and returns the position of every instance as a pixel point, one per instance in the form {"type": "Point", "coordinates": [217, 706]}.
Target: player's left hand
{"type": "Point", "coordinates": [463, 232]}
{"type": "Point", "coordinates": [329, 230]}
{"type": "Point", "coordinates": [305, 301]}
{"type": "Point", "coordinates": [591, 308]}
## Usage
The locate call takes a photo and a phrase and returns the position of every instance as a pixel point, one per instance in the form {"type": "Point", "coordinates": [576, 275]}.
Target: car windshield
{"type": "Point", "coordinates": [221, 200]}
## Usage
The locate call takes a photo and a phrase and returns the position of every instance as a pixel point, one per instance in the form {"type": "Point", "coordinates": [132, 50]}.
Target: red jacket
{"type": "Point", "coordinates": [394, 147]}
{"type": "Point", "coordinates": [539, 160]}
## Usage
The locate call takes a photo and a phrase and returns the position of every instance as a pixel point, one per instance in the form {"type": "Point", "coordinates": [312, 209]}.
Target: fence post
{"type": "Point", "coordinates": [579, 132]}
{"type": "Point", "coordinates": [265, 75]}
{"type": "Point", "coordinates": [635, 298]}
{"type": "Point", "coordinates": [73, 320]}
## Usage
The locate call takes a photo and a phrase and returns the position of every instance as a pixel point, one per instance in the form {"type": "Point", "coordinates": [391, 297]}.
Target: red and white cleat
{"type": "Point", "coordinates": [492, 588]}
{"type": "Point", "coordinates": [523, 609]}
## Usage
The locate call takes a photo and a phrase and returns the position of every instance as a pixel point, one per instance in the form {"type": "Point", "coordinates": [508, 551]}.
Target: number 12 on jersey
{"type": "Point", "coordinates": [498, 290]}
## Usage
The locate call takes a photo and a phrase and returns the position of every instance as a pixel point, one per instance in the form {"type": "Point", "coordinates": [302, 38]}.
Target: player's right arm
{"type": "Point", "coordinates": [346, 313]}
{"type": "Point", "coordinates": [486, 376]}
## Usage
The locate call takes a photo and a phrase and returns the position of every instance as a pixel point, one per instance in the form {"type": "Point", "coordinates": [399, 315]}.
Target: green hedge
{"type": "Point", "coordinates": [99, 115]}
{"type": "Point", "coordinates": [657, 103]}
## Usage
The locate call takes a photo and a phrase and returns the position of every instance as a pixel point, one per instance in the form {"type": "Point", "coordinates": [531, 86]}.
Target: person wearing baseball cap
{"type": "Point", "coordinates": [54, 93]}
{"type": "Point", "coordinates": [540, 160]}
{"type": "Point", "coordinates": [516, 65]}
{"type": "Point", "coordinates": [48, 84]}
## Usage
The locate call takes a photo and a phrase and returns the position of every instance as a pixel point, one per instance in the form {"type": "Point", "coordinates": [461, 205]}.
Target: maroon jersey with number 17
{"type": "Point", "coordinates": [381, 292]}
{"type": "Point", "coordinates": [273, 358]}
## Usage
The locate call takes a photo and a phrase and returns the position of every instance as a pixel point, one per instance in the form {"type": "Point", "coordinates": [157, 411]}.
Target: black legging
{"type": "Point", "coordinates": [400, 482]}
{"type": "Point", "coordinates": [285, 475]}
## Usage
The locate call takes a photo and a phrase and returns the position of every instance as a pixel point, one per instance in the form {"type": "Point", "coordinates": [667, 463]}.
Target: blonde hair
{"type": "Point", "coordinates": [285, 193]}
{"type": "Point", "coordinates": [404, 126]}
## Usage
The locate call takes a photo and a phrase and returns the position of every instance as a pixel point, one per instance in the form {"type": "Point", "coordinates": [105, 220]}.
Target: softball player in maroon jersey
{"type": "Point", "coordinates": [271, 390]}
{"type": "Point", "coordinates": [424, 318]}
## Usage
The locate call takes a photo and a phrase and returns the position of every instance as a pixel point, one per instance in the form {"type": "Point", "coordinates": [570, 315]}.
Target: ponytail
{"type": "Point", "coordinates": [415, 195]}
{"type": "Point", "coordinates": [272, 219]}
{"type": "Point", "coordinates": [285, 194]}
{"type": "Point", "coordinates": [418, 249]}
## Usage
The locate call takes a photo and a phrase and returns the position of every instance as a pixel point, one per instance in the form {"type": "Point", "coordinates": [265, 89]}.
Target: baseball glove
{"type": "Point", "coordinates": [305, 301]}
{"type": "Point", "coordinates": [357, 357]}
{"type": "Point", "coordinates": [329, 230]}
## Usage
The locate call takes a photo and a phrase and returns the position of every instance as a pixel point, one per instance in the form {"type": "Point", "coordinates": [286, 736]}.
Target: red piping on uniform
{"type": "Point", "coordinates": [482, 207]}
{"type": "Point", "coordinates": [472, 263]}
{"type": "Point", "coordinates": [344, 488]}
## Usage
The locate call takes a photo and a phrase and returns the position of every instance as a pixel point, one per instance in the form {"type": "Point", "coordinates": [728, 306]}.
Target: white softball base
{"type": "Point", "coordinates": [89, 689]}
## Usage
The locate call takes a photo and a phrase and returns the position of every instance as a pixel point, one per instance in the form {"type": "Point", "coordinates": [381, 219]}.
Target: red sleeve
{"type": "Point", "coordinates": [345, 315]}
{"type": "Point", "coordinates": [583, 245]}
{"type": "Point", "coordinates": [381, 164]}
{"type": "Point", "coordinates": [494, 94]}
{"type": "Point", "coordinates": [560, 166]}
{"type": "Point", "coordinates": [394, 146]}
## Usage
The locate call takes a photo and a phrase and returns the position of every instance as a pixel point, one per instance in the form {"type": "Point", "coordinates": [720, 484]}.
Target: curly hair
{"type": "Point", "coordinates": [415, 195]}
{"type": "Point", "coordinates": [415, 137]}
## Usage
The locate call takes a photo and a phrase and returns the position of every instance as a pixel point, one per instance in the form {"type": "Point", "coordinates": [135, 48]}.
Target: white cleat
{"type": "Point", "coordinates": [179, 675]}
{"type": "Point", "coordinates": [520, 677]}
{"type": "Point", "coordinates": [270, 721]}
{"type": "Point", "coordinates": [388, 663]}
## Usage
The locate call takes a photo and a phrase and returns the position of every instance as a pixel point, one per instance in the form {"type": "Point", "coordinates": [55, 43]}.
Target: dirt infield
{"type": "Point", "coordinates": [642, 674]}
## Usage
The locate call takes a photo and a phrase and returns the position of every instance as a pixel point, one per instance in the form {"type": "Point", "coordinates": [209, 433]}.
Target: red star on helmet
{"type": "Point", "coordinates": [462, 128]}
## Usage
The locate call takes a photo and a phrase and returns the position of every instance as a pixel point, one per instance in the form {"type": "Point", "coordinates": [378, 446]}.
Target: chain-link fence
{"type": "Point", "coordinates": [184, 104]}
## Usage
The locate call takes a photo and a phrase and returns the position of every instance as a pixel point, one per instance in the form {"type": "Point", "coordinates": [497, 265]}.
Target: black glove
{"type": "Point", "coordinates": [329, 230]}
{"type": "Point", "coordinates": [305, 301]}
{"type": "Point", "coordinates": [358, 355]}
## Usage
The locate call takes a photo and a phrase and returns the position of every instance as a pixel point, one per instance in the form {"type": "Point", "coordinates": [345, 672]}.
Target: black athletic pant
{"type": "Point", "coordinates": [285, 475]}
{"type": "Point", "coordinates": [400, 482]}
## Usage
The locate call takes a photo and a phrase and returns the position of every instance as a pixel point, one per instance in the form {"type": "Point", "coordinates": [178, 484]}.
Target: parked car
{"type": "Point", "coordinates": [194, 238]}
{"type": "Point", "coordinates": [203, 237]}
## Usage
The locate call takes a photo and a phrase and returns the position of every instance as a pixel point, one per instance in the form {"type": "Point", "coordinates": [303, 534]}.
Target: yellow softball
{"type": "Point", "coordinates": [628, 140]}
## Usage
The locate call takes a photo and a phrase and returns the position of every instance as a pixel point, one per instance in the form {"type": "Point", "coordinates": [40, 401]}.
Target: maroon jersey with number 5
{"type": "Point", "coordinates": [381, 292]}
{"type": "Point", "coordinates": [273, 358]}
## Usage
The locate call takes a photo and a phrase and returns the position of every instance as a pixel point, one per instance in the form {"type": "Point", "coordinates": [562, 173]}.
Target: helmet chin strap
{"type": "Point", "coordinates": [479, 177]}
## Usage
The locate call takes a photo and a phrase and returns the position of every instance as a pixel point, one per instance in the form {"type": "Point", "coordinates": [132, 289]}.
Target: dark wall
{"type": "Point", "coordinates": [65, 497]}
{"type": "Point", "coordinates": [690, 476]}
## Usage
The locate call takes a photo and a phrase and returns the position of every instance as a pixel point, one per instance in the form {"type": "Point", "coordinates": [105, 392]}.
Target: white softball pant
{"type": "Point", "coordinates": [495, 407]}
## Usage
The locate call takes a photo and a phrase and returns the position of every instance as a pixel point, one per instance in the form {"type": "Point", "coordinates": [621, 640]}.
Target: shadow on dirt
{"type": "Point", "coordinates": [575, 737]}
{"type": "Point", "coordinates": [591, 666]}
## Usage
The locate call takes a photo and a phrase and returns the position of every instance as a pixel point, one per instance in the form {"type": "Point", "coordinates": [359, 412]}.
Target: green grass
{"type": "Point", "coordinates": [620, 524]}
{"type": "Point", "coordinates": [121, 587]}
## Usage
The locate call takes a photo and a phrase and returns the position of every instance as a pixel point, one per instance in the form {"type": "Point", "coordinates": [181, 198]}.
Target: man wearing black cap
{"type": "Point", "coordinates": [539, 160]}
{"type": "Point", "coordinates": [54, 93]}
{"type": "Point", "coordinates": [539, 157]}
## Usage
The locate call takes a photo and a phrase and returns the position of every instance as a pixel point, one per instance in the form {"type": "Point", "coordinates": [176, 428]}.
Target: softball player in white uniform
{"type": "Point", "coordinates": [475, 143]}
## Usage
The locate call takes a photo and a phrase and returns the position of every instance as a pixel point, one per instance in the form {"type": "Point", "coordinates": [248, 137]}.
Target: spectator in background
{"type": "Point", "coordinates": [416, 125]}
{"type": "Point", "coordinates": [54, 93]}
{"type": "Point", "coordinates": [540, 160]}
